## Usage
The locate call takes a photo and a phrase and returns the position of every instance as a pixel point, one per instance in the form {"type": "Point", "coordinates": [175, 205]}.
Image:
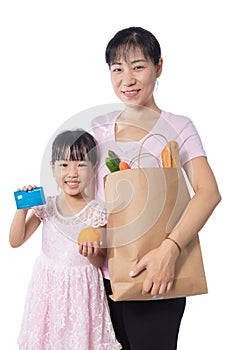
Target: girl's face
{"type": "Point", "coordinates": [73, 177]}
{"type": "Point", "coordinates": [134, 80]}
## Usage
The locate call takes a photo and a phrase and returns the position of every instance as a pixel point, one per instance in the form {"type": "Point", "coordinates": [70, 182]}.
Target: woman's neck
{"type": "Point", "coordinates": [135, 122]}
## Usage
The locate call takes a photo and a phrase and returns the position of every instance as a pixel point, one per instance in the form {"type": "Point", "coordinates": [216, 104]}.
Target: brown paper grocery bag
{"type": "Point", "coordinates": [143, 206]}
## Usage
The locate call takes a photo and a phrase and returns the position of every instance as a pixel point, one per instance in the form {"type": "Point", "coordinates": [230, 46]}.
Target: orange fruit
{"type": "Point", "coordinates": [89, 234]}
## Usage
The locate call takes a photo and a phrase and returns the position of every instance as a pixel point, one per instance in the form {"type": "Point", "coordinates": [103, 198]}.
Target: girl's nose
{"type": "Point", "coordinates": [73, 169]}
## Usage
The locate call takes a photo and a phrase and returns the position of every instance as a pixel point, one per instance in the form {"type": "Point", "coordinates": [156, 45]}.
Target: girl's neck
{"type": "Point", "coordinates": [71, 205]}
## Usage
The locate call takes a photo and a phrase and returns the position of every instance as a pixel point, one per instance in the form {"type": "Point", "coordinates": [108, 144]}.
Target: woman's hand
{"type": "Point", "coordinates": [159, 264]}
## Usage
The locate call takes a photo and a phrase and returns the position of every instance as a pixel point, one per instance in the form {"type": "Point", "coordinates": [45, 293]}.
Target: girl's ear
{"type": "Point", "coordinates": [52, 167]}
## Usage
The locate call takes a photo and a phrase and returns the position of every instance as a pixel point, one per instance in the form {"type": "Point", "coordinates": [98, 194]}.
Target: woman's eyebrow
{"type": "Point", "coordinates": [138, 60]}
{"type": "Point", "coordinates": [132, 62]}
{"type": "Point", "coordinates": [118, 63]}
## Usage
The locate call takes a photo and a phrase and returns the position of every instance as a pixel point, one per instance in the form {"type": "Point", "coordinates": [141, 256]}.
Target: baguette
{"type": "Point", "coordinates": [170, 155]}
{"type": "Point", "coordinates": [166, 156]}
{"type": "Point", "coordinates": [175, 154]}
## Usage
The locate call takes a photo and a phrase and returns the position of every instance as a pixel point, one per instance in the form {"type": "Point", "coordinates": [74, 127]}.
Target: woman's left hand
{"type": "Point", "coordinates": [159, 264]}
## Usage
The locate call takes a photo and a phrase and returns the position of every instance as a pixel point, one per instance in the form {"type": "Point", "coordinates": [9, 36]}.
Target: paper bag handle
{"type": "Point", "coordinates": [140, 149]}
{"type": "Point", "coordinates": [139, 156]}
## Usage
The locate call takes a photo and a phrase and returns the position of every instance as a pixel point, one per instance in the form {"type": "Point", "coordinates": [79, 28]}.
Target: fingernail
{"type": "Point", "coordinates": [131, 274]}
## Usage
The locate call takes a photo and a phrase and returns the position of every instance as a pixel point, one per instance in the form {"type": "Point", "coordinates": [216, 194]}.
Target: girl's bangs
{"type": "Point", "coordinates": [72, 153]}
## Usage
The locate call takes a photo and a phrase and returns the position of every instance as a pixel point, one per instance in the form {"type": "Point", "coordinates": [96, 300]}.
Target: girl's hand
{"type": "Point", "coordinates": [160, 266]}
{"type": "Point", "coordinates": [89, 249]}
{"type": "Point", "coordinates": [26, 188]}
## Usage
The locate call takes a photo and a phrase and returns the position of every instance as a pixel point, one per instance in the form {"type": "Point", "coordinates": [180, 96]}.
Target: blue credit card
{"type": "Point", "coordinates": [30, 198]}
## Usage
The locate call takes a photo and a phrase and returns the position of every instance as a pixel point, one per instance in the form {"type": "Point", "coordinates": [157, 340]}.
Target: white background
{"type": "Point", "coordinates": [52, 67]}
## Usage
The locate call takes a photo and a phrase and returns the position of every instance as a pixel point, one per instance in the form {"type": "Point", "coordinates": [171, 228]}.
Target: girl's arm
{"type": "Point", "coordinates": [22, 227]}
{"type": "Point", "coordinates": [93, 252]}
{"type": "Point", "coordinates": [160, 262]}
{"type": "Point", "coordinates": [98, 259]}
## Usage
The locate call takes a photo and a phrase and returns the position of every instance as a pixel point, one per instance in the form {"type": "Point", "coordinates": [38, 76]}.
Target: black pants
{"type": "Point", "coordinates": [146, 325]}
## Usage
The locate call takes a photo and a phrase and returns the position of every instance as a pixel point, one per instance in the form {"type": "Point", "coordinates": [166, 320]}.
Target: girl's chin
{"type": "Point", "coordinates": [72, 191]}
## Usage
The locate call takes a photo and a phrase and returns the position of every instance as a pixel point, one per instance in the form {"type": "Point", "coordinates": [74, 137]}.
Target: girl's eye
{"type": "Point", "coordinates": [63, 165]}
{"type": "Point", "coordinates": [82, 165]}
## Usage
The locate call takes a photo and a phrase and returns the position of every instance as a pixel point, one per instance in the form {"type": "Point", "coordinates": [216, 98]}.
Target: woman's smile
{"type": "Point", "coordinates": [131, 93]}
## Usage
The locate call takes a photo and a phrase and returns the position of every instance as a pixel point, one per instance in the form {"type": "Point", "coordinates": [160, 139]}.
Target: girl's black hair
{"type": "Point", "coordinates": [133, 38]}
{"type": "Point", "coordinates": [74, 145]}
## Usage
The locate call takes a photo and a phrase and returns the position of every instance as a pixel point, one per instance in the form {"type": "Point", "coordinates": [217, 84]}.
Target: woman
{"type": "Point", "coordinates": [134, 59]}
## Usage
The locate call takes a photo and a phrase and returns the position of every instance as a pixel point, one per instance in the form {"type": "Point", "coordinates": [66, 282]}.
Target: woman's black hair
{"type": "Point", "coordinates": [74, 145]}
{"type": "Point", "coordinates": [133, 38]}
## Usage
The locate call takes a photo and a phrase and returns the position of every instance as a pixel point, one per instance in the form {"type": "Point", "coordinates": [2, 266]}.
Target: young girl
{"type": "Point", "coordinates": [66, 307]}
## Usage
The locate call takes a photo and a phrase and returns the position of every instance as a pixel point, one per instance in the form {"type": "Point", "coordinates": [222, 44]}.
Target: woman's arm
{"type": "Point", "coordinates": [202, 204]}
{"type": "Point", "coordinates": [22, 227]}
{"type": "Point", "coordinates": [160, 262]}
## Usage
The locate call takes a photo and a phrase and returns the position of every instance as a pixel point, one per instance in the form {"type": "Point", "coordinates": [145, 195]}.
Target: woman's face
{"type": "Point", "coordinates": [134, 79]}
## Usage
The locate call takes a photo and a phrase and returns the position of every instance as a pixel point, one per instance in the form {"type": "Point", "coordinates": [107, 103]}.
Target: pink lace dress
{"type": "Point", "coordinates": [66, 306]}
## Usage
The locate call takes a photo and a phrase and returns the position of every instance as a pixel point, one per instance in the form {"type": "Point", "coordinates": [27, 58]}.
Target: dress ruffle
{"type": "Point", "coordinates": [61, 312]}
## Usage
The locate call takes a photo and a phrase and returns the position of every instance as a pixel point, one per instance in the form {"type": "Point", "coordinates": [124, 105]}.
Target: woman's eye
{"type": "Point", "coordinates": [63, 165]}
{"type": "Point", "coordinates": [116, 70]}
{"type": "Point", "coordinates": [138, 67]}
{"type": "Point", "coordinates": [82, 165]}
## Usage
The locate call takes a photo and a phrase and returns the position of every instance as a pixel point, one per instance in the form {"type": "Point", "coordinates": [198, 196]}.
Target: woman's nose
{"type": "Point", "coordinates": [128, 78]}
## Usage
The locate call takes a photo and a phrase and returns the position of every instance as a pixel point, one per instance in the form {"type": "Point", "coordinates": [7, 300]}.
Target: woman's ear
{"type": "Point", "coordinates": [159, 67]}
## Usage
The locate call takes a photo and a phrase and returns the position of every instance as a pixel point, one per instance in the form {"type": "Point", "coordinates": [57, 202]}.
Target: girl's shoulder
{"type": "Point", "coordinates": [94, 214]}
{"type": "Point", "coordinates": [44, 212]}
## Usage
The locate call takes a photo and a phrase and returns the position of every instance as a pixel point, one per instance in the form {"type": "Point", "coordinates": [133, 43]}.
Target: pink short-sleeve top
{"type": "Point", "coordinates": [171, 126]}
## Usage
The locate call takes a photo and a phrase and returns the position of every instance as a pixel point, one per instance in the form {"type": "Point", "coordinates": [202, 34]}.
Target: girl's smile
{"type": "Point", "coordinates": [72, 184]}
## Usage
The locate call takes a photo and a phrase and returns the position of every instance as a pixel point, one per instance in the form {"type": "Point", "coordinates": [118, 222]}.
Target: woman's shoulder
{"type": "Point", "coordinates": [102, 126]}
{"type": "Point", "coordinates": [106, 118]}
{"type": "Point", "coordinates": [177, 125]}
{"type": "Point", "coordinates": [176, 119]}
